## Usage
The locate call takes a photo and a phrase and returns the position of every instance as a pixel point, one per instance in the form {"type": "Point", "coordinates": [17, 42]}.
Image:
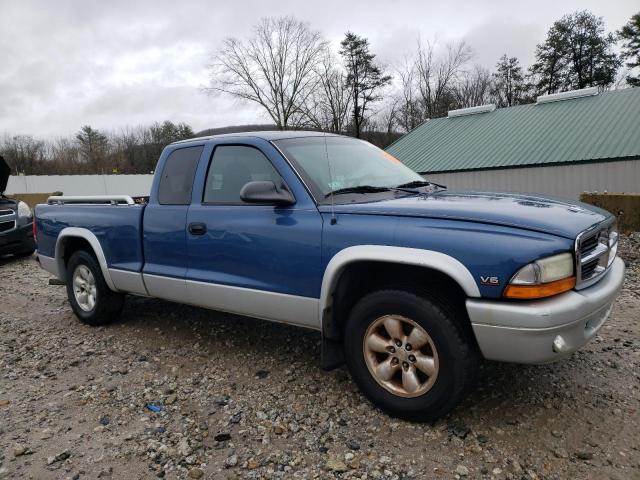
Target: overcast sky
{"type": "Point", "coordinates": [114, 63]}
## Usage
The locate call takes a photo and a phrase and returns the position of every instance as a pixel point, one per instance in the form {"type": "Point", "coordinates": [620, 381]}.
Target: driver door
{"type": "Point", "coordinates": [253, 259]}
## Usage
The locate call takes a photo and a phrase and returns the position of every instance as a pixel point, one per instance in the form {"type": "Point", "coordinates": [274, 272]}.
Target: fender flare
{"type": "Point", "coordinates": [399, 255]}
{"type": "Point", "coordinates": [75, 232]}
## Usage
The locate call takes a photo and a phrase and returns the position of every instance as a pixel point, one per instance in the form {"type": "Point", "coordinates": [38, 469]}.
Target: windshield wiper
{"type": "Point", "coordinates": [405, 187]}
{"type": "Point", "coordinates": [358, 189]}
{"type": "Point", "coordinates": [421, 183]}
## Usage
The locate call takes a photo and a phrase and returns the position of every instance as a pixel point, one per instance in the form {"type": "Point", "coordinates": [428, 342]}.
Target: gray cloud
{"type": "Point", "coordinates": [111, 64]}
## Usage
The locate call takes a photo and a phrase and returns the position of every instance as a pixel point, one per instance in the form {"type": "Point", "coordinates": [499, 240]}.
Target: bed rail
{"type": "Point", "coordinates": [91, 200]}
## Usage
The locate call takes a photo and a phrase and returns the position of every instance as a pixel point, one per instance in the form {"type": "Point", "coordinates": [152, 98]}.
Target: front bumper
{"type": "Point", "coordinates": [543, 331]}
{"type": "Point", "coordinates": [17, 240]}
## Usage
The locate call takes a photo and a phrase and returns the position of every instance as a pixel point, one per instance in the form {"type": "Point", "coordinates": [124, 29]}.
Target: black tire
{"type": "Point", "coordinates": [108, 304]}
{"type": "Point", "coordinates": [457, 353]}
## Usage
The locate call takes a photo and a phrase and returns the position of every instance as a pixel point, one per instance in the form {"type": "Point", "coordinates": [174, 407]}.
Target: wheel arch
{"type": "Point", "coordinates": [394, 259]}
{"type": "Point", "coordinates": [71, 239]}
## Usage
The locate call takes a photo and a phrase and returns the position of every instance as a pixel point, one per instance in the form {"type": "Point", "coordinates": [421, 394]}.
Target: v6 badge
{"type": "Point", "coordinates": [489, 281]}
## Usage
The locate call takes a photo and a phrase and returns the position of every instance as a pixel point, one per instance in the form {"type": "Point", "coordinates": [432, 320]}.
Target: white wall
{"type": "Point", "coordinates": [561, 180]}
{"type": "Point", "coordinates": [134, 185]}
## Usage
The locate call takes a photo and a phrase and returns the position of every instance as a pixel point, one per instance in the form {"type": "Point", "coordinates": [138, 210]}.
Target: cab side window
{"type": "Point", "coordinates": [177, 176]}
{"type": "Point", "coordinates": [231, 168]}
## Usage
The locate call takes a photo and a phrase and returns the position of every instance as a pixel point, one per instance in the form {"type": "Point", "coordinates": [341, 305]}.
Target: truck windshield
{"type": "Point", "coordinates": [337, 164]}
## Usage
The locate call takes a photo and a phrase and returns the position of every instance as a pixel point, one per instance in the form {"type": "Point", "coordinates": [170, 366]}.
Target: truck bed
{"type": "Point", "coordinates": [118, 228]}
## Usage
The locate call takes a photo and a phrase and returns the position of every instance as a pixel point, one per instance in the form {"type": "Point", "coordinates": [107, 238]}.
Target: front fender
{"type": "Point", "coordinates": [332, 355]}
{"type": "Point", "coordinates": [399, 255]}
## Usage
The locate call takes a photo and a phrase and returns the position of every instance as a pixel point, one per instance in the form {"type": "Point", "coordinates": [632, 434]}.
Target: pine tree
{"type": "Point", "coordinates": [630, 36]}
{"type": "Point", "coordinates": [550, 68]}
{"type": "Point", "coordinates": [508, 82]}
{"type": "Point", "coordinates": [364, 78]}
{"type": "Point", "coordinates": [577, 53]}
{"type": "Point", "coordinates": [93, 145]}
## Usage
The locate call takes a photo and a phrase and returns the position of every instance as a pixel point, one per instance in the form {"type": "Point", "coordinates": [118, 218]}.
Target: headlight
{"type": "Point", "coordinates": [23, 210]}
{"type": "Point", "coordinates": [543, 278]}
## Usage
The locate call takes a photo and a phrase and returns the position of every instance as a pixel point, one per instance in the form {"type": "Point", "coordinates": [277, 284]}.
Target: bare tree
{"type": "Point", "coordinates": [409, 112]}
{"type": "Point", "coordinates": [64, 157]}
{"type": "Point", "coordinates": [126, 146]}
{"type": "Point", "coordinates": [473, 87]}
{"type": "Point", "coordinates": [438, 74]}
{"type": "Point", "coordinates": [388, 115]}
{"type": "Point", "coordinates": [328, 107]}
{"type": "Point", "coordinates": [22, 152]}
{"type": "Point", "coordinates": [275, 68]}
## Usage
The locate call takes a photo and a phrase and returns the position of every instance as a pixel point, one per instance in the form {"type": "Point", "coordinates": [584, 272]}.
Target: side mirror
{"type": "Point", "coordinates": [266, 192]}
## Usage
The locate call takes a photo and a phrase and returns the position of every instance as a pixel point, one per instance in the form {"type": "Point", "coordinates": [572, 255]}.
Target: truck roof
{"type": "Point", "coordinates": [264, 135]}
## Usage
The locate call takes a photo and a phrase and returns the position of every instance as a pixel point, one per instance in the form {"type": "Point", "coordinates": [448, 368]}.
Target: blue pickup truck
{"type": "Point", "coordinates": [408, 284]}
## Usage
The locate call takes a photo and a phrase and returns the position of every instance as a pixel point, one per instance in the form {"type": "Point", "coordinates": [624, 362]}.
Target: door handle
{"type": "Point", "coordinates": [197, 228]}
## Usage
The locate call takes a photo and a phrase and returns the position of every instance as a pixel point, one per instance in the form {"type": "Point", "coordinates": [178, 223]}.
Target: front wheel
{"type": "Point", "coordinates": [89, 295]}
{"type": "Point", "coordinates": [409, 354]}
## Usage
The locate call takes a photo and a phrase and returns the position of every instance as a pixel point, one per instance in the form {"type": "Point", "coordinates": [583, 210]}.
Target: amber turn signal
{"type": "Point", "coordinates": [539, 291]}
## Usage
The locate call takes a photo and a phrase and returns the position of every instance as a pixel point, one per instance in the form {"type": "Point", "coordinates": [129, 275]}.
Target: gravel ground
{"type": "Point", "coordinates": [241, 398]}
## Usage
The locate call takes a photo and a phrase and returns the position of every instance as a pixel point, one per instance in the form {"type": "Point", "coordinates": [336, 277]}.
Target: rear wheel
{"type": "Point", "coordinates": [92, 301]}
{"type": "Point", "coordinates": [409, 354]}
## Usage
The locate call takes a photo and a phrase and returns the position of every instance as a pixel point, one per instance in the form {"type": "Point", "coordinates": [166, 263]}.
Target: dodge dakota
{"type": "Point", "coordinates": [407, 283]}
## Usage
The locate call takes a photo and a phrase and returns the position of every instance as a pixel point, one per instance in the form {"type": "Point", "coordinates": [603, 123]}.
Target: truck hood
{"type": "Point", "coordinates": [5, 171]}
{"type": "Point", "coordinates": [544, 214]}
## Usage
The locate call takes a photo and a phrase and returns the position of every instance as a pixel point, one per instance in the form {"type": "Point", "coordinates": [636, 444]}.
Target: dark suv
{"type": "Point", "coordinates": [16, 221]}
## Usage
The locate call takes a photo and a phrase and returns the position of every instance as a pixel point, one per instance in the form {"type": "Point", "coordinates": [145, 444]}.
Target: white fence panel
{"type": "Point", "coordinates": [134, 185]}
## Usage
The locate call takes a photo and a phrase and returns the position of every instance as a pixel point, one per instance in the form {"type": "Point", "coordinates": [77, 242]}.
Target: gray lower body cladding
{"type": "Point", "coordinates": [543, 331]}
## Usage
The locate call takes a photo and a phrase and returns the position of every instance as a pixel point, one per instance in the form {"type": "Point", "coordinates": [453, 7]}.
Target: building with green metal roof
{"type": "Point", "coordinates": [564, 144]}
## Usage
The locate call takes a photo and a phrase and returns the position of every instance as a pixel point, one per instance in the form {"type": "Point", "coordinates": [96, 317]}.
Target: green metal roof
{"type": "Point", "coordinates": [599, 127]}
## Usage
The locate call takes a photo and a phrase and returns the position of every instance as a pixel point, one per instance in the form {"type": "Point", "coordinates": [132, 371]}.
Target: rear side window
{"type": "Point", "coordinates": [231, 168]}
{"type": "Point", "coordinates": [177, 176]}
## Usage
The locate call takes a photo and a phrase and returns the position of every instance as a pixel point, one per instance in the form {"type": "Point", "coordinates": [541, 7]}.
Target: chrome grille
{"type": "Point", "coordinates": [589, 268]}
{"type": "Point", "coordinates": [6, 213]}
{"type": "Point", "coordinates": [6, 226]}
{"type": "Point", "coordinates": [595, 250]}
{"type": "Point", "coordinates": [588, 245]}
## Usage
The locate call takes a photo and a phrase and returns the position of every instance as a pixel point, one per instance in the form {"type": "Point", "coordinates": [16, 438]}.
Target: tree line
{"type": "Point", "coordinates": [302, 82]}
{"type": "Point", "coordinates": [90, 151]}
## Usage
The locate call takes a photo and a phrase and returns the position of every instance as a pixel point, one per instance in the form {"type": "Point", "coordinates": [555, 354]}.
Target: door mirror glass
{"type": "Point", "coordinates": [266, 192]}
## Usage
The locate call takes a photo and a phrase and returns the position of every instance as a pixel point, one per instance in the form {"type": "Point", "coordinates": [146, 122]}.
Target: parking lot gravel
{"type": "Point", "coordinates": [178, 392]}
